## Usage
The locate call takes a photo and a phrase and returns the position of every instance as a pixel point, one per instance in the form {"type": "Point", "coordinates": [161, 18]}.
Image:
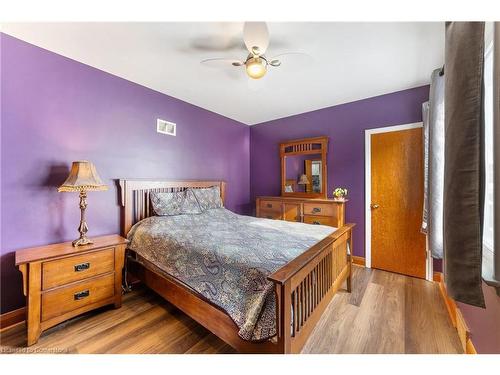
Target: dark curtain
{"type": "Point", "coordinates": [464, 161]}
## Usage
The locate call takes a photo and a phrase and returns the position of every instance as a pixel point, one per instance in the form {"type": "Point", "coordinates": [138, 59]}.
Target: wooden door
{"type": "Point", "coordinates": [397, 245]}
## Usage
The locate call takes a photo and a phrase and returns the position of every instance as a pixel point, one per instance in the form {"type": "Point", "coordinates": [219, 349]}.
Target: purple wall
{"type": "Point", "coordinates": [56, 110]}
{"type": "Point", "coordinates": [344, 125]}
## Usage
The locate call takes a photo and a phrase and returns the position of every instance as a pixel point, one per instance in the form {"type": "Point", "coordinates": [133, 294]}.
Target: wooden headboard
{"type": "Point", "coordinates": [135, 202]}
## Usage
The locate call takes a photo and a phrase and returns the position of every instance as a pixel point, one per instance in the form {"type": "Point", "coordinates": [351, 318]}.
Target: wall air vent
{"type": "Point", "coordinates": [165, 127]}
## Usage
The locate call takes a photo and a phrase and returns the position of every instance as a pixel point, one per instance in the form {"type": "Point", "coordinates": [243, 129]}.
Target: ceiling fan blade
{"type": "Point", "coordinates": [222, 62]}
{"type": "Point", "coordinates": [256, 34]}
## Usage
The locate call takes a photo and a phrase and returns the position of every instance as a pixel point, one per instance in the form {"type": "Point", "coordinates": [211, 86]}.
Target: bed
{"type": "Point", "coordinates": [268, 281]}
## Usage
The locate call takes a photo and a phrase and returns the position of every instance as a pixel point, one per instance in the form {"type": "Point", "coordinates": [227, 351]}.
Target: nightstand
{"type": "Point", "coordinates": [61, 281]}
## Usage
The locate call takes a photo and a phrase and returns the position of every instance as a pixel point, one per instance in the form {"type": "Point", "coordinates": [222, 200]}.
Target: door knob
{"type": "Point", "coordinates": [374, 206]}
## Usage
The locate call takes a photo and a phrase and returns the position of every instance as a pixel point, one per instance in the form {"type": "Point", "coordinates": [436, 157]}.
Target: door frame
{"type": "Point", "coordinates": [368, 193]}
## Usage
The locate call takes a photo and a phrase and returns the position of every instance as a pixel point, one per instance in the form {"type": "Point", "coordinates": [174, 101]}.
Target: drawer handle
{"type": "Point", "coordinates": [269, 205]}
{"type": "Point", "coordinates": [316, 209]}
{"type": "Point", "coordinates": [316, 223]}
{"type": "Point", "coordinates": [81, 295]}
{"type": "Point", "coordinates": [82, 267]}
{"type": "Point", "coordinates": [269, 217]}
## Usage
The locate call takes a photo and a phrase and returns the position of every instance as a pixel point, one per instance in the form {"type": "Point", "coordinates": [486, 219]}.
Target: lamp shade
{"type": "Point", "coordinates": [82, 177]}
{"type": "Point", "coordinates": [303, 180]}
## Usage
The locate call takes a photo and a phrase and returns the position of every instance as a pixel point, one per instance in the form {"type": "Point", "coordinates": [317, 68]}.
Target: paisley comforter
{"type": "Point", "coordinates": [226, 258]}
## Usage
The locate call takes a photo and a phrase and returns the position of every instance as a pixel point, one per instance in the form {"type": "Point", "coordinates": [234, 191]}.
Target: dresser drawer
{"type": "Point", "coordinates": [269, 214]}
{"type": "Point", "coordinates": [270, 206]}
{"type": "Point", "coordinates": [65, 299]}
{"type": "Point", "coordinates": [78, 267]}
{"type": "Point", "coordinates": [318, 209]}
{"type": "Point", "coordinates": [319, 220]}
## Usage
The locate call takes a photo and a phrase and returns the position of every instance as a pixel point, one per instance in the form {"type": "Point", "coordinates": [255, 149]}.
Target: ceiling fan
{"type": "Point", "coordinates": [256, 38]}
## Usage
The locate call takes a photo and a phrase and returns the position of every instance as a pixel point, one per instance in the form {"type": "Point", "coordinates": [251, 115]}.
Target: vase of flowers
{"type": "Point", "coordinates": [340, 194]}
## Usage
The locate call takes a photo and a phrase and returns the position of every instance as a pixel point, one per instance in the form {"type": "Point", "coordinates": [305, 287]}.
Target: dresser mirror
{"type": "Point", "coordinates": [303, 167]}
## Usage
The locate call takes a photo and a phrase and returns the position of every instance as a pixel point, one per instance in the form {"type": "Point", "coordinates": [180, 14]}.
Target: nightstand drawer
{"type": "Point", "coordinates": [78, 267]}
{"type": "Point", "coordinates": [319, 209]}
{"type": "Point", "coordinates": [271, 206]}
{"type": "Point", "coordinates": [65, 299]}
{"type": "Point", "coordinates": [319, 220]}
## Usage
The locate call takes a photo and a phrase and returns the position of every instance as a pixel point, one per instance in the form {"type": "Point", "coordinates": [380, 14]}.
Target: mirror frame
{"type": "Point", "coordinates": [304, 147]}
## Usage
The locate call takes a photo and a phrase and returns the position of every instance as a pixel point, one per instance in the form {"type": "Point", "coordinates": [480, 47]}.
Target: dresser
{"type": "Point", "coordinates": [61, 281]}
{"type": "Point", "coordinates": [305, 210]}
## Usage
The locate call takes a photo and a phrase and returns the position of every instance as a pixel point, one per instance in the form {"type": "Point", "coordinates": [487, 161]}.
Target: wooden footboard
{"type": "Point", "coordinates": [306, 285]}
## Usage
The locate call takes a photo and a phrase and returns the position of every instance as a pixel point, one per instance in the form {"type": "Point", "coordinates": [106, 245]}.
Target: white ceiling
{"type": "Point", "coordinates": [350, 61]}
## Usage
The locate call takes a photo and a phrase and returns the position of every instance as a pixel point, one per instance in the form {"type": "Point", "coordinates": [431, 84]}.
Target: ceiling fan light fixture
{"type": "Point", "coordinates": [256, 67]}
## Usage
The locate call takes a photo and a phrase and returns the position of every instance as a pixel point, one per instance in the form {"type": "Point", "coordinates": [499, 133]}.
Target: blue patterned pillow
{"type": "Point", "coordinates": [208, 198]}
{"type": "Point", "coordinates": [175, 203]}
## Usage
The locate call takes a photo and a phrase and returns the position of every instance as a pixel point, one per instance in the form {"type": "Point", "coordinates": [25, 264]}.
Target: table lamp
{"type": "Point", "coordinates": [83, 177]}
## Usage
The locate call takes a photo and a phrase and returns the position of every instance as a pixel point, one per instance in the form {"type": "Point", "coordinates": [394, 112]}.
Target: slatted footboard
{"type": "Point", "coordinates": [305, 286]}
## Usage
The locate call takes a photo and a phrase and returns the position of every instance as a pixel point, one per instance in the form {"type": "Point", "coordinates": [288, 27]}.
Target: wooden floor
{"type": "Point", "coordinates": [385, 313]}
